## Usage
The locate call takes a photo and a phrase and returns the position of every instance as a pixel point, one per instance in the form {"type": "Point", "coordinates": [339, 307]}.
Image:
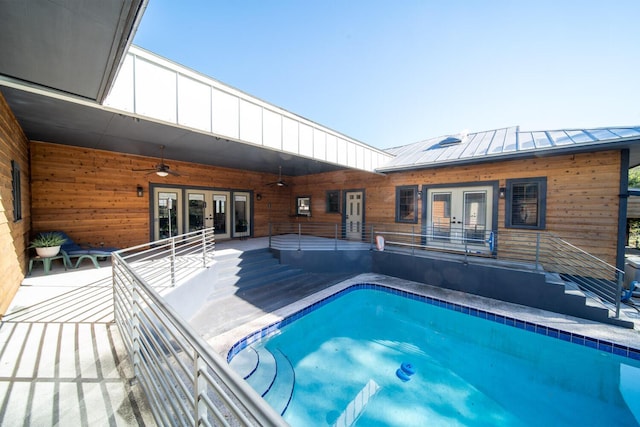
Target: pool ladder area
{"type": "Point", "coordinates": [268, 373]}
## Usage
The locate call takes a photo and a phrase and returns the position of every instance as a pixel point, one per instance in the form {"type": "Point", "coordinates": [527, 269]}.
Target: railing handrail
{"type": "Point", "coordinates": [135, 315]}
{"type": "Point", "coordinates": [524, 246]}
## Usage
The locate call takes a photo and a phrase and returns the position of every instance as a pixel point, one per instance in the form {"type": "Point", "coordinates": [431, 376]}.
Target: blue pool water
{"type": "Point", "coordinates": [468, 370]}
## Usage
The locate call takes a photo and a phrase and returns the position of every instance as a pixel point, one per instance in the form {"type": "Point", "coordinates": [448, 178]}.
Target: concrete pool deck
{"type": "Point", "coordinates": [62, 361]}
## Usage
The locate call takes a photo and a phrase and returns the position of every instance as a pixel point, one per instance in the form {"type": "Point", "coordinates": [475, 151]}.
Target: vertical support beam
{"type": "Point", "coordinates": [173, 261]}
{"type": "Point", "coordinates": [622, 208]}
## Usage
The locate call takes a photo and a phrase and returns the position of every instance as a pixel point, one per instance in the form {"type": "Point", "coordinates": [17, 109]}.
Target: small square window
{"type": "Point", "coordinates": [304, 206]}
{"type": "Point", "coordinates": [333, 201]}
{"type": "Point", "coordinates": [526, 202]}
{"type": "Point", "coordinates": [407, 204]}
{"type": "Point", "coordinates": [16, 191]}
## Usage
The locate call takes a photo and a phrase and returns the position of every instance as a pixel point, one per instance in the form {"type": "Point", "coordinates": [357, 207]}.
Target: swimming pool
{"type": "Point", "coordinates": [337, 362]}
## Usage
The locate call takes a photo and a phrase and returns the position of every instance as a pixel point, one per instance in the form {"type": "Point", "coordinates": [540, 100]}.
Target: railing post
{"type": "Point", "coordinates": [336, 236]}
{"type": "Point", "coordinates": [200, 390]}
{"type": "Point", "coordinates": [173, 261]}
{"type": "Point", "coordinates": [204, 248]}
{"type": "Point", "coordinates": [413, 240]}
{"type": "Point", "coordinates": [299, 236]}
{"type": "Point", "coordinates": [537, 251]}
{"type": "Point", "coordinates": [135, 328]}
{"type": "Point", "coordinates": [620, 277]}
{"type": "Point", "coordinates": [466, 250]}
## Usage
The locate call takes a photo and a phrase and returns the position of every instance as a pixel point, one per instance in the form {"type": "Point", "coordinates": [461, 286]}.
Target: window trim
{"type": "Point", "coordinates": [542, 202]}
{"type": "Point", "coordinates": [327, 204]}
{"type": "Point", "coordinates": [299, 211]}
{"type": "Point", "coordinates": [16, 190]}
{"type": "Point", "coordinates": [399, 190]}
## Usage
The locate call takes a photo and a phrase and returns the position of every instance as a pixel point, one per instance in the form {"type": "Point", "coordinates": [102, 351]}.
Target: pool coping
{"type": "Point", "coordinates": [606, 338]}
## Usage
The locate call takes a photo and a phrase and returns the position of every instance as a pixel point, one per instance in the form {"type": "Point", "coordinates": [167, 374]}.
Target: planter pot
{"type": "Point", "coordinates": [48, 252]}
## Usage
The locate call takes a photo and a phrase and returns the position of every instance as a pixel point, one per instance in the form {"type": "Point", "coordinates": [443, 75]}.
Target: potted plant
{"type": "Point", "coordinates": [47, 244]}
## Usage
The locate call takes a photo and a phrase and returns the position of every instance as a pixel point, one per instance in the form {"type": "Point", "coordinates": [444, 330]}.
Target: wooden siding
{"type": "Point", "coordinates": [633, 207]}
{"type": "Point", "coordinates": [582, 194]}
{"type": "Point", "coordinates": [91, 194]}
{"type": "Point", "coordinates": [14, 235]}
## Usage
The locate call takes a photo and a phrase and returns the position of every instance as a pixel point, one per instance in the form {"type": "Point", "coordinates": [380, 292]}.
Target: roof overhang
{"type": "Point", "coordinates": [49, 116]}
{"type": "Point", "coordinates": [74, 47]}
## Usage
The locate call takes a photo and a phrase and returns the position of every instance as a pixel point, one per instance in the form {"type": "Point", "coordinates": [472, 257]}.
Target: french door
{"type": "Point", "coordinates": [180, 210]}
{"type": "Point", "coordinates": [459, 217]}
{"type": "Point", "coordinates": [167, 213]}
{"type": "Point", "coordinates": [209, 209]}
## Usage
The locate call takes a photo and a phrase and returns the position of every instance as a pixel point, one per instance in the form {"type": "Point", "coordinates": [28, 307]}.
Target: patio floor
{"type": "Point", "coordinates": [62, 361]}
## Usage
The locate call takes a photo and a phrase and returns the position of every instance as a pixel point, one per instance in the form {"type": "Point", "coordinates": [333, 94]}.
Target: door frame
{"type": "Point", "coordinates": [182, 189]}
{"type": "Point", "coordinates": [494, 184]}
{"type": "Point", "coordinates": [344, 211]}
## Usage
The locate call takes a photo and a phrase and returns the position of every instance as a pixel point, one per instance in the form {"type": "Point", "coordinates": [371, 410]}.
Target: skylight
{"type": "Point", "coordinates": [451, 140]}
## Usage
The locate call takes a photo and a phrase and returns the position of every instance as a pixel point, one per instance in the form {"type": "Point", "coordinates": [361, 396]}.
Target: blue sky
{"type": "Point", "coordinates": [389, 73]}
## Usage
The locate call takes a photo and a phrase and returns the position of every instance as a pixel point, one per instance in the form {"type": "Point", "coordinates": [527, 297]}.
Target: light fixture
{"type": "Point", "coordinates": [140, 191]}
{"type": "Point", "coordinates": [503, 192]}
{"type": "Point", "coordinates": [258, 197]}
{"type": "Point", "coordinates": [419, 195]}
{"type": "Point", "coordinates": [162, 173]}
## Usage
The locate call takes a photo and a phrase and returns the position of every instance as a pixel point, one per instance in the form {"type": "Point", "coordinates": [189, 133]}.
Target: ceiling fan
{"type": "Point", "coordinates": [161, 169]}
{"type": "Point", "coordinates": [279, 182]}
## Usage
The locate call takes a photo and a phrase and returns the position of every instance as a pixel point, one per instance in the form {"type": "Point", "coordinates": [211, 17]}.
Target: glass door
{"type": "Point", "coordinates": [167, 213]}
{"type": "Point", "coordinates": [208, 209]}
{"type": "Point", "coordinates": [221, 214]}
{"type": "Point", "coordinates": [241, 225]}
{"type": "Point", "coordinates": [459, 216]}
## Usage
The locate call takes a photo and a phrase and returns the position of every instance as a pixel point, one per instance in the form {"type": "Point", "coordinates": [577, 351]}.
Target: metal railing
{"type": "Point", "coordinates": [185, 382]}
{"type": "Point", "coordinates": [536, 250]}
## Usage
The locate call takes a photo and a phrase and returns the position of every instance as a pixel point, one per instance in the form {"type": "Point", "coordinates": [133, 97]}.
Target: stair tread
{"type": "Point", "coordinates": [281, 391]}
{"type": "Point", "coordinates": [264, 375]}
{"type": "Point", "coordinates": [245, 362]}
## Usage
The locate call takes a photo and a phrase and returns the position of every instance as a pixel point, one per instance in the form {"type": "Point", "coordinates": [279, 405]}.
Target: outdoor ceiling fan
{"type": "Point", "coordinates": [161, 169]}
{"type": "Point", "coordinates": [279, 182]}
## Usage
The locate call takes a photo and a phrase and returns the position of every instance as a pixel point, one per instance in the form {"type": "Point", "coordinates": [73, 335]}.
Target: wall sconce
{"type": "Point", "coordinates": [503, 192]}
{"type": "Point", "coordinates": [258, 197]}
{"type": "Point", "coordinates": [140, 191]}
{"type": "Point", "coordinates": [419, 195]}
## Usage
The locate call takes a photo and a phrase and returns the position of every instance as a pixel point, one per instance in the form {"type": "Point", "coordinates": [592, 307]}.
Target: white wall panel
{"type": "Point", "coordinates": [250, 122]}
{"type": "Point", "coordinates": [224, 114]}
{"type": "Point", "coordinates": [351, 154]}
{"type": "Point", "coordinates": [121, 94]}
{"type": "Point", "coordinates": [194, 104]}
{"type": "Point", "coordinates": [272, 129]}
{"type": "Point", "coordinates": [306, 140]}
{"type": "Point", "coordinates": [319, 144]}
{"type": "Point", "coordinates": [359, 157]}
{"type": "Point", "coordinates": [155, 88]}
{"type": "Point", "coordinates": [342, 151]}
{"type": "Point", "coordinates": [332, 148]}
{"type": "Point", "coordinates": [289, 135]}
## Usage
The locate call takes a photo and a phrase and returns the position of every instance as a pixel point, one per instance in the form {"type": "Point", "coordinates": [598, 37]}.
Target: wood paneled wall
{"type": "Point", "coordinates": [91, 194]}
{"type": "Point", "coordinates": [14, 235]}
{"type": "Point", "coordinates": [582, 193]}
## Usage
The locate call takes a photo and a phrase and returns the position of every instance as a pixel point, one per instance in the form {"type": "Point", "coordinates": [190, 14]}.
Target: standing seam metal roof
{"type": "Point", "coordinates": [503, 142]}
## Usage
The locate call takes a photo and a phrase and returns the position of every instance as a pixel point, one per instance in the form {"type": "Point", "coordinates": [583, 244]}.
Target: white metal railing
{"type": "Point", "coordinates": [542, 251]}
{"type": "Point", "coordinates": [185, 382]}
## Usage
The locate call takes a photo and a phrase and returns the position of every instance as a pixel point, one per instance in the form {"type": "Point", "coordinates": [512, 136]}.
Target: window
{"type": "Point", "coordinates": [16, 191]}
{"type": "Point", "coordinates": [526, 202]}
{"type": "Point", "coordinates": [406, 204]}
{"type": "Point", "coordinates": [333, 201]}
{"type": "Point", "coordinates": [304, 205]}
